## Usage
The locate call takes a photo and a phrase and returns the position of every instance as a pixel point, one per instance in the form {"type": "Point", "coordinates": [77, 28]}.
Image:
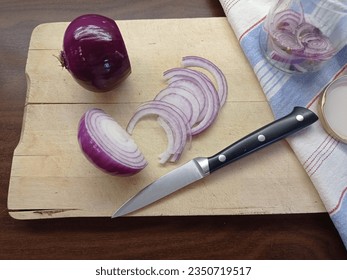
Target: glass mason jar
{"type": "Point", "coordinates": [299, 36]}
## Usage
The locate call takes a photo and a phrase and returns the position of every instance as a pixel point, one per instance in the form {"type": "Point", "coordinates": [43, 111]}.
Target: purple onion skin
{"type": "Point", "coordinates": [98, 157]}
{"type": "Point", "coordinates": [94, 53]}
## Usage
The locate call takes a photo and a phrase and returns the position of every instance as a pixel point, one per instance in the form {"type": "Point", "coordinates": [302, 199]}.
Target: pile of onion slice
{"type": "Point", "coordinates": [296, 42]}
{"type": "Point", "coordinates": [107, 145]}
{"type": "Point", "coordinates": [187, 106]}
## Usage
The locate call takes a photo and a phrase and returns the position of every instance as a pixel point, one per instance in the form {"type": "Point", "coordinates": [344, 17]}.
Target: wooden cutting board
{"type": "Point", "coordinates": [50, 177]}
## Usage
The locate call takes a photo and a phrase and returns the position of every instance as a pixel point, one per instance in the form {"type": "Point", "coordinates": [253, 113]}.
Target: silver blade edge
{"type": "Point", "coordinates": [178, 178]}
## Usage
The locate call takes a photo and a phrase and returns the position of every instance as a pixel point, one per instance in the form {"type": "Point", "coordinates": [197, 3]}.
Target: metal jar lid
{"type": "Point", "coordinates": [333, 109]}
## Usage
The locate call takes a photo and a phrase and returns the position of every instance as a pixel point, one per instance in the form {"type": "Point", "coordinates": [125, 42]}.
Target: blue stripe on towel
{"type": "Point", "coordinates": [340, 220]}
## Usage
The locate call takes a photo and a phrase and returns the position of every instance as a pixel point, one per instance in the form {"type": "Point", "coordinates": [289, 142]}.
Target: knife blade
{"type": "Point", "coordinates": [200, 167]}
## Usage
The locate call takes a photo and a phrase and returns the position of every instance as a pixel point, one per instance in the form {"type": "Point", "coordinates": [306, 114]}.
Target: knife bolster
{"type": "Point", "coordinates": [202, 162]}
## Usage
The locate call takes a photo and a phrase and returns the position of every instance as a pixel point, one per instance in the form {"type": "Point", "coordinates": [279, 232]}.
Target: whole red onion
{"type": "Point", "coordinates": [94, 52]}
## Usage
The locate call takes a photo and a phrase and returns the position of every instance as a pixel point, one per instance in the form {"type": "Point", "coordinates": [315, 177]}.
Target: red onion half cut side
{"type": "Point", "coordinates": [107, 145]}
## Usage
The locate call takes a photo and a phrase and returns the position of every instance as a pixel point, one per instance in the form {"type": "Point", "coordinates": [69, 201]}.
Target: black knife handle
{"type": "Point", "coordinates": [298, 119]}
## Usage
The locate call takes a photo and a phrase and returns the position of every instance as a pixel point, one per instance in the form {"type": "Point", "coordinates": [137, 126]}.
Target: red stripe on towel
{"type": "Point", "coordinates": [339, 202]}
{"type": "Point", "coordinates": [250, 28]}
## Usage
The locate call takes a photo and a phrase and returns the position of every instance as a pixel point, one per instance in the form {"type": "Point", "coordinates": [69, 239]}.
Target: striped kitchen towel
{"type": "Point", "coordinates": [323, 157]}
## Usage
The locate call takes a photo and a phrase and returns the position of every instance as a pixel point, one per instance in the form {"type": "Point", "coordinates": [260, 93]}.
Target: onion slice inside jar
{"type": "Point", "coordinates": [297, 43]}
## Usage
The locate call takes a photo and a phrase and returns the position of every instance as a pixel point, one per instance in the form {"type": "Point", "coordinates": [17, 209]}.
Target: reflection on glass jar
{"type": "Point", "coordinates": [298, 36]}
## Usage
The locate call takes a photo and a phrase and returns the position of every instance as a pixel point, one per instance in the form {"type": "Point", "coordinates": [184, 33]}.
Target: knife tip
{"type": "Point", "coordinates": [115, 215]}
{"type": "Point", "coordinates": [120, 212]}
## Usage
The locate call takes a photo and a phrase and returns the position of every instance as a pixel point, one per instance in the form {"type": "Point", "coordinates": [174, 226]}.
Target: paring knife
{"type": "Point", "coordinates": [200, 167]}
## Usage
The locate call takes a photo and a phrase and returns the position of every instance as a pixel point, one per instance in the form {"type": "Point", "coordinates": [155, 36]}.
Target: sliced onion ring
{"type": "Point", "coordinates": [196, 61]}
{"type": "Point", "coordinates": [194, 88]}
{"type": "Point", "coordinates": [187, 106]}
{"type": "Point", "coordinates": [210, 93]}
{"type": "Point", "coordinates": [173, 116]}
{"type": "Point", "coordinates": [182, 99]}
{"type": "Point", "coordinates": [287, 20]}
{"type": "Point", "coordinates": [165, 156]}
{"type": "Point", "coordinates": [107, 145]}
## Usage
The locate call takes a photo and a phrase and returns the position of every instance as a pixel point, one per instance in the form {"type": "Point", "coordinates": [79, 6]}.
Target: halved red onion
{"type": "Point", "coordinates": [196, 61]}
{"type": "Point", "coordinates": [107, 145]}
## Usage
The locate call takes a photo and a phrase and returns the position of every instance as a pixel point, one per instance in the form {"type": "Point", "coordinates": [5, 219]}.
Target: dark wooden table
{"type": "Point", "coordinates": [303, 236]}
